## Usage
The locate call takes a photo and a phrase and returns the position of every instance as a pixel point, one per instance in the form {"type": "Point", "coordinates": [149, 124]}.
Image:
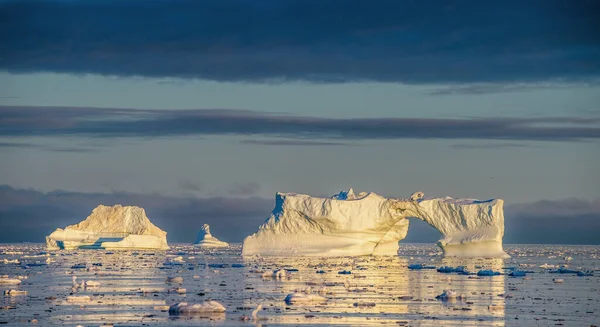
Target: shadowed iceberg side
{"type": "Point", "coordinates": [116, 227]}
{"type": "Point", "coordinates": [367, 223]}
{"type": "Point", "coordinates": [205, 239]}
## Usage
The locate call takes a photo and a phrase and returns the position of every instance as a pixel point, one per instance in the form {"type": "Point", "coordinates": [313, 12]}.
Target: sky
{"type": "Point", "coordinates": [202, 111]}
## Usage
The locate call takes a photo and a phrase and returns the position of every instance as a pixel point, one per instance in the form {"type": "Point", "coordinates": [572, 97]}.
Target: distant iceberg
{"type": "Point", "coordinates": [367, 223]}
{"type": "Point", "coordinates": [205, 239]}
{"type": "Point", "coordinates": [116, 227]}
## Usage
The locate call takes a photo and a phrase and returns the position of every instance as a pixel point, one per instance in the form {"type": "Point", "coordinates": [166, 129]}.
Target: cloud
{"type": "Point", "coordinates": [15, 145]}
{"type": "Point", "coordinates": [293, 143]}
{"type": "Point", "coordinates": [121, 123]}
{"type": "Point", "coordinates": [567, 221]}
{"type": "Point", "coordinates": [492, 146]}
{"type": "Point", "coordinates": [318, 41]}
{"type": "Point", "coordinates": [249, 188]}
{"type": "Point", "coordinates": [487, 88]}
{"type": "Point", "coordinates": [188, 185]}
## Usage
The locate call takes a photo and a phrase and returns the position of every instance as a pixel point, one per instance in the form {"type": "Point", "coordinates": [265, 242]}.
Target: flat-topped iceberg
{"type": "Point", "coordinates": [205, 239]}
{"type": "Point", "coordinates": [116, 227]}
{"type": "Point", "coordinates": [367, 223]}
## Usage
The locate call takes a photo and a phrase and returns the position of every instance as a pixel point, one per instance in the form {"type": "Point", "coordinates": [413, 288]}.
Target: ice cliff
{"type": "Point", "coordinates": [115, 227]}
{"type": "Point", "coordinates": [367, 223]}
{"type": "Point", "coordinates": [205, 239]}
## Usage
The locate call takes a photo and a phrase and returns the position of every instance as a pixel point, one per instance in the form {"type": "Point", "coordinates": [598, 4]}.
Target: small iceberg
{"type": "Point", "coordinates": [487, 272]}
{"type": "Point", "coordinates": [183, 308]}
{"type": "Point", "coordinates": [205, 239]}
{"type": "Point", "coordinates": [449, 270]}
{"type": "Point", "coordinates": [449, 295]}
{"type": "Point", "coordinates": [419, 266]}
{"type": "Point", "coordinates": [517, 273]}
{"type": "Point", "coordinates": [303, 298]}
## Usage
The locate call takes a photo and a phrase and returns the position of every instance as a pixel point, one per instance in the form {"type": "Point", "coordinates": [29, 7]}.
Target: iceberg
{"type": "Point", "coordinates": [370, 224]}
{"type": "Point", "coordinates": [205, 239]}
{"type": "Point", "coordinates": [110, 227]}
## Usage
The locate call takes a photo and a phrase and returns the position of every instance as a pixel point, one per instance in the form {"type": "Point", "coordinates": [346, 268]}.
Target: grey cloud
{"type": "Point", "coordinates": [116, 122]}
{"type": "Point", "coordinates": [491, 146]}
{"type": "Point", "coordinates": [487, 88]}
{"type": "Point", "coordinates": [188, 185]}
{"type": "Point", "coordinates": [317, 41]}
{"type": "Point", "coordinates": [20, 145]}
{"type": "Point", "coordinates": [293, 143]}
{"type": "Point", "coordinates": [249, 188]}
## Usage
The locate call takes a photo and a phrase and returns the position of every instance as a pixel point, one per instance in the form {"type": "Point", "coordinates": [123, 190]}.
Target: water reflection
{"type": "Point", "coordinates": [376, 291]}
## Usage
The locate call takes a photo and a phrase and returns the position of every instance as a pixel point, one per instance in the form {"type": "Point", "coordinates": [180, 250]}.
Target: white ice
{"type": "Point", "coordinates": [204, 307]}
{"type": "Point", "coordinates": [116, 227]}
{"type": "Point", "coordinates": [205, 239]}
{"type": "Point", "coordinates": [367, 223]}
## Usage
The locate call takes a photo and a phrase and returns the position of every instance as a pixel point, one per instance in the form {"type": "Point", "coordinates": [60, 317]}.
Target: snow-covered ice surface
{"type": "Point", "coordinates": [367, 223]}
{"type": "Point", "coordinates": [110, 227]}
{"type": "Point", "coordinates": [360, 291]}
{"type": "Point", "coordinates": [206, 239]}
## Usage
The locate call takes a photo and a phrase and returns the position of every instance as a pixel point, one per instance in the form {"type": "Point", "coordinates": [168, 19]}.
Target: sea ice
{"type": "Point", "coordinates": [183, 308]}
{"type": "Point", "coordinates": [116, 227]}
{"type": "Point", "coordinates": [205, 239]}
{"type": "Point", "coordinates": [367, 223]}
{"type": "Point", "coordinates": [303, 298]}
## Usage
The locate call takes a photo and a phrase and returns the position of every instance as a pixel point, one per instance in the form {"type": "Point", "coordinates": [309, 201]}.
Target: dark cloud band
{"type": "Point", "coordinates": [101, 122]}
{"type": "Point", "coordinates": [310, 40]}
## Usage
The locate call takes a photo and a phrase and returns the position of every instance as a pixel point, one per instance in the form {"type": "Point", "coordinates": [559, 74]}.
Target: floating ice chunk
{"type": "Point", "coordinates": [585, 273]}
{"type": "Point", "coordinates": [178, 290]}
{"type": "Point", "coordinates": [14, 292]}
{"type": "Point", "coordinates": [347, 224]}
{"type": "Point", "coordinates": [183, 308]}
{"type": "Point", "coordinates": [448, 270]}
{"type": "Point", "coordinates": [547, 266]}
{"type": "Point", "coordinates": [517, 273]}
{"type": "Point", "coordinates": [563, 270]}
{"type": "Point", "coordinates": [256, 311]}
{"type": "Point", "coordinates": [364, 304]}
{"type": "Point", "coordinates": [205, 239]}
{"type": "Point", "coordinates": [558, 280]}
{"type": "Point", "coordinates": [107, 227]}
{"type": "Point", "coordinates": [9, 281]}
{"type": "Point", "coordinates": [78, 299]}
{"type": "Point", "coordinates": [496, 307]}
{"type": "Point", "coordinates": [15, 261]}
{"type": "Point", "coordinates": [303, 298]}
{"type": "Point", "coordinates": [449, 295]}
{"type": "Point", "coordinates": [419, 266]}
{"type": "Point", "coordinates": [178, 259]}
{"type": "Point", "coordinates": [487, 272]}
{"type": "Point", "coordinates": [174, 280]}
{"type": "Point", "coordinates": [279, 274]}
{"type": "Point", "coordinates": [91, 284]}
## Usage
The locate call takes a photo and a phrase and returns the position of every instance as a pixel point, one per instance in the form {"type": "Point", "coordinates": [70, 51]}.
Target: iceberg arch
{"type": "Point", "coordinates": [367, 223]}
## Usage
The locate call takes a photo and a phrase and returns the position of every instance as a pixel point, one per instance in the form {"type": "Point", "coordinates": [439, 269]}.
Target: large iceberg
{"type": "Point", "coordinates": [115, 227]}
{"type": "Point", "coordinates": [205, 239]}
{"type": "Point", "coordinates": [367, 223]}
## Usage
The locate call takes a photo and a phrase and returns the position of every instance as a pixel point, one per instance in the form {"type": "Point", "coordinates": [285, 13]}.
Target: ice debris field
{"type": "Point", "coordinates": [189, 285]}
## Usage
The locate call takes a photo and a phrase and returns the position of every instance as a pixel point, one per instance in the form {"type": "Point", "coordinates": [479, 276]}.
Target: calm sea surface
{"type": "Point", "coordinates": [377, 291]}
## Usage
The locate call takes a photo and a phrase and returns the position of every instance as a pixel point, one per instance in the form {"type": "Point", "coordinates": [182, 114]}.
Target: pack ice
{"type": "Point", "coordinates": [205, 239]}
{"type": "Point", "coordinates": [367, 223]}
{"type": "Point", "coordinates": [116, 227]}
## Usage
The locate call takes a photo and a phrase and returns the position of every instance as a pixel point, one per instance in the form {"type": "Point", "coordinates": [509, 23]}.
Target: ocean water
{"type": "Point", "coordinates": [376, 291]}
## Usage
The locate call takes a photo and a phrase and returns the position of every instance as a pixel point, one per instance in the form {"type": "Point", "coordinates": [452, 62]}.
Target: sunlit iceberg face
{"type": "Point", "coordinates": [369, 224]}
{"type": "Point", "coordinates": [116, 227]}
